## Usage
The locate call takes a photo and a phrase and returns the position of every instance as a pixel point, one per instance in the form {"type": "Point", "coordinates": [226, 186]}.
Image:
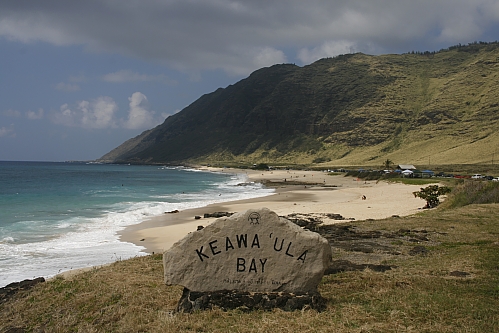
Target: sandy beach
{"type": "Point", "coordinates": [296, 191]}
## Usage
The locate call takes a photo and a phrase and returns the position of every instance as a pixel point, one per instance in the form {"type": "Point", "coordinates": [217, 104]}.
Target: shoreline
{"type": "Point", "coordinates": [296, 191]}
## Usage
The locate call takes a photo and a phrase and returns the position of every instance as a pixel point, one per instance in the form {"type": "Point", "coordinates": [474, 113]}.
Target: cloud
{"type": "Point", "coordinates": [255, 58]}
{"type": "Point", "coordinates": [77, 78]}
{"type": "Point", "coordinates": [67, 87]}
{"type": "Point", "coordinates": [12, 113]}
{"type": "Point", "coordinates": [129, 76]}
{"type": "Point", "coordinates": [239, 36]}
{"type": "Point", "coordinates": [328, 49]}
{"type": "Point", "coordinates": [268, 56]}
{"type": "Point", "coordinates": [102, 113]}
{"type": "Point", "coordinates": [35, 115]}
{"type": "Point", "coordinates": [139, 116]}
{"type": "Point", "coordinates": [7, 131]}
{"type": "Point", "coordinates": [95, 114]}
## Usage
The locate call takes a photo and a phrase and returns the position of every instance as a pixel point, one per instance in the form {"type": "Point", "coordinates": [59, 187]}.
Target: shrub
{"type": "Point", "coordinates": [261, 166]}
{"type": "Point", "coordinates": [431, 194]}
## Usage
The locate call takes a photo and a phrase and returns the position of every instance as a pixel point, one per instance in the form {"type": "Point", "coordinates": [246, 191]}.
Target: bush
{"type": "Point", "coordinates": [261, 166]}
{"type": "Point", "coordinates": [431, 194]}
{"type": "Point", "coordinates": [321, 160]}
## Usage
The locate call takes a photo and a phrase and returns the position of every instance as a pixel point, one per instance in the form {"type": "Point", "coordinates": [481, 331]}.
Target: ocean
{"type": "Point", "coordinates": [60, 216]}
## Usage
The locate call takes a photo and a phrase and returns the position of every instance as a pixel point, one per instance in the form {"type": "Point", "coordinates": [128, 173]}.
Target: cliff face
{"type": "Point", "coordinates": [351, 109]}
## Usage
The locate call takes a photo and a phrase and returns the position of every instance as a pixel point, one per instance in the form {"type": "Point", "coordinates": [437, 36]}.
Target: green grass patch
{"type": "Point", "coordinates": [415, 181]}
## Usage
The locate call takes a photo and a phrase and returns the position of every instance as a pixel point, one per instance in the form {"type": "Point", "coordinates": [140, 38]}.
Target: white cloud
{"type": "Point", "coordinates": [11, 113]}
{"type": "Point", "coordinates": [7, 131]}
{"type": "Point", "coordinates": [254, 58]}
{"type": "Point", "coordinates": [269, 56]}
{"type": "Point", "coordinates": [67, 87]}
{"type": "Point", "coordinates": [328, 49]}
{"type": "Point", "coordinates": [101, 113]}
{"type": "Point", "coordinates": [35, 115]}
{"type": "Point", "coordinates": [139, 115]}
{"type": "Point", "coordinates": [96, 114]}
{"type": "Point", "coordinates": [129, 76]}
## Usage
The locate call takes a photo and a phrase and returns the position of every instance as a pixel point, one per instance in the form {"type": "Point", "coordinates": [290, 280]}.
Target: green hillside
{"type": "Point", "coordinates": [353, 109]}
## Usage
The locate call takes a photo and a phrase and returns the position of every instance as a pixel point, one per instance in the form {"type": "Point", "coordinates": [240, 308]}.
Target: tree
{"type": "Point", "coordinates": [261, 166]}
{"type": "Point", "coordinates": [387, 164]}
{"type": "Point", "coordinates": [431, 194]}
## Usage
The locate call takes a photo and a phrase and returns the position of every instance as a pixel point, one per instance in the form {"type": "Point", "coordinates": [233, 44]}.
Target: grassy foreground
{"type": "Point", "coordinates": [419, 295]}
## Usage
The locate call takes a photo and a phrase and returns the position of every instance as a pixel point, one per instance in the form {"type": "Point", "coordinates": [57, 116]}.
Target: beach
{"type": "Point", "coordinates": [296, 192]}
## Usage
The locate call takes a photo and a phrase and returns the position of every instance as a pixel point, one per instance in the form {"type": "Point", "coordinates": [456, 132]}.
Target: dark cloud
{"type": "Point", "coordinates": [240, 36]}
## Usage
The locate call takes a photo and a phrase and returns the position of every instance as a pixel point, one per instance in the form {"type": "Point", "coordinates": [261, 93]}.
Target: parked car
{"type": "Point", "coordinates": [488, 177]}
{"type": "Point", "coordinates": [496, 179]}
{"type": "Point", "coordinates": [477, 176]}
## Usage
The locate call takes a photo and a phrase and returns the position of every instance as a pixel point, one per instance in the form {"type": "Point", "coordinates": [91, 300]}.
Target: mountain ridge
{"type": "Point", "coordinates": [348, 110]}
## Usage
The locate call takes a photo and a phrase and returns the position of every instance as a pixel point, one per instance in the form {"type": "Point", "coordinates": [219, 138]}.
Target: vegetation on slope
{"type": "Point", "coordinates": [348, 110]}
{"type": "Point", "coordinates": [473, 192]}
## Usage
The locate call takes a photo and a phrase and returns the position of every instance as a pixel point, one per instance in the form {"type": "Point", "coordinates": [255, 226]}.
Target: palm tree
{"type": "Point", "coordinates": [388, 164]}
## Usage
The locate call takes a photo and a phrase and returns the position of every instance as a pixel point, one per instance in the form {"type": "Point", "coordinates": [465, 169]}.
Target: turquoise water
{"type": "Point", "coordinates": [60, 216]}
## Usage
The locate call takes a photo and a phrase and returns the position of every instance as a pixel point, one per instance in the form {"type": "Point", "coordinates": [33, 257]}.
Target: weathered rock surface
{"type": "Point", "coordinates": [247, 301]}
{"type": "Point", "coordinates": [13, 288]}
{"type": "Point", "coordinates": [254, 251]}
{"type": "Point", "coordinates": [217, 214]}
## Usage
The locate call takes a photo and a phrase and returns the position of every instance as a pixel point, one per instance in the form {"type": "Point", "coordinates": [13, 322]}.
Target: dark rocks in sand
{"type": "Point", "coordinates": [459, 274]}
{"type": "Point", "coordinates": [197, 217]}
{"type": "Point", "coordinates": [13, 288]}
{"type": "Point", "coordinates": [249, 301]}
{"type": "Point", "coordinates": [217, 214]}
{"type": "Point", "coordinates": [335, 216]}
{"type": "Point", "coordinates": [418, 250]}
{"type": "Point", "coordinates": [366, 247]}
{"type": "Point", "coordinates": [173, 212]}
{"type": "Point", "coordinates": [311, 221]}
{"type": "Point", "coordinates": [336, 232]}
{"type": "Point", "coordinates": [338, 266]}
{"type": "Point", "coordinates": [304, 222]}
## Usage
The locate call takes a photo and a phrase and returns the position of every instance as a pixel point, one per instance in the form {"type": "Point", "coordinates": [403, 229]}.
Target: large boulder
{"type": "Point", "coordinates": [253, 251]}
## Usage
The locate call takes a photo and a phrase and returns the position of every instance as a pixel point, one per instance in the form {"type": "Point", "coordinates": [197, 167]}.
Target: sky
{"type": "Point", "coordinates": [78, 78]}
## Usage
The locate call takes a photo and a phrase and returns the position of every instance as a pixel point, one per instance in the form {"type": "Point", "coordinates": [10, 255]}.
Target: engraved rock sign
{"type": "Point", "coordinates": [255, 251]}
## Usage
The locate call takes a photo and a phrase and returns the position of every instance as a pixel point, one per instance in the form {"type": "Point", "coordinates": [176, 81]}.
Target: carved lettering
{"type": "Point", "coordinates": [242, 242]}
{"type": "Point", "coordinates": [255, 242]}
{"type": "Point", "coordinates": [275, 244]}
{"type": "Point", "coordinates": [242, 239]}
{"type": "Point", "coordinates": [303, 256]}
{"type": "Point", "coordinates": [228, 244]}
{"type": "Point", "coordinates": [287, 250]}
{"type": "Point", "coordinates": [263, 264]}
{"type": "Point", "coordinates": [213, 247]}
{"type": "Point", "coordinates": [252, 266]}
{"type": "Point", "coordinates": [241, 264]}
{"type": "Point", "coordinates": [201, 254]}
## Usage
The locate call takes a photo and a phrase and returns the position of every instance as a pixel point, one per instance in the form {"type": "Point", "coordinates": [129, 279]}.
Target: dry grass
{"type": "Point", "coordinates": [418, 296]}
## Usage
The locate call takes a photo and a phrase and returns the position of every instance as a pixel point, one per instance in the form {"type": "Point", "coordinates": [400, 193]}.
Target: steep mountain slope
{"type": "Point", "coordinates": [351, 109]}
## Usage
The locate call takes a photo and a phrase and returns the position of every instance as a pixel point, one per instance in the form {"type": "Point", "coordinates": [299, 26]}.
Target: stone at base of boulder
{"type": "Point", "coordinates": [248, 301]}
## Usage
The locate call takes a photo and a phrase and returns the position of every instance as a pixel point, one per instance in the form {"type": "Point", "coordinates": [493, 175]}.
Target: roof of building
{"type": "Point", "coordinates": [406, 167]}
